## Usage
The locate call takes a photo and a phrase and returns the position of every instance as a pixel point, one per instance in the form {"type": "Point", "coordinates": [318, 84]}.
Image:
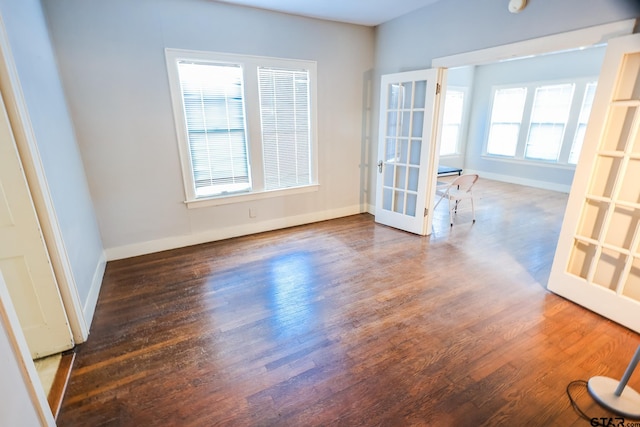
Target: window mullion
{"type": "Point", "coordinates": [253, 126]}
{"type": "Point", "coordinates": [572, 122]}
{"type": "Point", "coordinates": [525, 123]}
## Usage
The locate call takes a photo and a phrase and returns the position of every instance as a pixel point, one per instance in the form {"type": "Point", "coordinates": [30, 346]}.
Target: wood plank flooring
{"type": "Point", "coordinates": [350, 323]}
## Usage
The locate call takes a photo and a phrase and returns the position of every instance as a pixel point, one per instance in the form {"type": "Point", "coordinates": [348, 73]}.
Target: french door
{"type": "Point", "coordinates": [597, 261]}
{"type": "Point", "coordinates": [407, 149]}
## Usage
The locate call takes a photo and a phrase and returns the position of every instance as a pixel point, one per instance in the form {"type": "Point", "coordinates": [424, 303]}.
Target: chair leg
{"type": "Point", "coordinates": [473, 211]}
{"type": "Point", "coordinates": [450, 214]}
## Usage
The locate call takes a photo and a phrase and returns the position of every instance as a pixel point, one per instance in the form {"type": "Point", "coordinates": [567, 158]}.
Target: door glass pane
{"type": "Point", "coordinates": [413, 179]}
{"type": "Point", "coordinates": [604, 176]}
{"type": "Point", "coordinates": [407, 95]}
{"type": "Point", "coordinates": [412, 199]}
{"type": "Point", "coordinates": [398, 205]}
{"type": "Point", "coordinates": [609, 269]}
{"type": "Point", "coordinates": [414, 159]}
{"type": "Point", "coordinates": [632, 287]}
{"type": "Point", "coordinates": [421, 94]}
{"type": "Point", "coordinates": [390, 150]}
{"type": "Point", "coordinates": [387, 198]}
{"type": "Point", "coordinates": [593, 214]}
{"type": "Point", "coordinates": [418, 121]}
{"type": "Point", "coordinates": [628, 86]}
{"type": "Point", "coordinates": [618, 128]}
{"type": "Point", "coordinates": [389, 171]}
{"type": "Point", "coordinates": [401, 177]}
{"type": "Point", "coordinates": [581, 258]}
{"type": "Point", "coordinates": [394, 96]}
{"type": "Point", "coordinates": [403, 155]}
{"type": "Point", "coordinates": [630, 190]}
{"type": "Point", "coordinates": [406, 123]}
{"type": "Point", "coordinates": [623, 227]}
{"type": "Point", "coordinates": [392, 123]}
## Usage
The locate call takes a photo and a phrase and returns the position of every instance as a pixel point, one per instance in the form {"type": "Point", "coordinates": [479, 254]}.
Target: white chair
{"type": "Point", "coordinates": [457, 190]}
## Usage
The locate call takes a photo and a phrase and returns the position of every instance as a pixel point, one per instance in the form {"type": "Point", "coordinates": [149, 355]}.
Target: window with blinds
{"type": "Point", "coordinates": [286, 138]}
{"type": "Point", "coordinates": [506, 116]}
{"type": "Point", "coordinates": [549, 118]}
{"type": "Point", "coordinates": [213, 104]}
{"type": "Point", "coordinates": [451, 122]}
{"type": "Point", "coordinates": [555, 116]}
{"type": "Point", "coordinates": [245, 125]}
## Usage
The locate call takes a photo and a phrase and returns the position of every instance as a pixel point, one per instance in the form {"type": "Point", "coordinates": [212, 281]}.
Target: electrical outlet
{"type": "Point", "coordinates": [253, 212]}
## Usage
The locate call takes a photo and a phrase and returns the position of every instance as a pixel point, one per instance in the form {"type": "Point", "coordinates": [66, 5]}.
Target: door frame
{"type": "Point", "coordinates": [34, 171]}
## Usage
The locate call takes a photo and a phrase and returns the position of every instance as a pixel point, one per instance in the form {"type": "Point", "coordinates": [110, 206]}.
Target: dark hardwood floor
{"type": "Point", "coordinates": [347, 322]}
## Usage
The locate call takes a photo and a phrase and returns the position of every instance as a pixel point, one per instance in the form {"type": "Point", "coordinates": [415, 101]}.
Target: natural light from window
{"type": "Point", "coordinates": [451, 122]}
{"type": "Point", "coordinates": [506, 115]}
{"type": "Point", "coordinates": [549, 117]}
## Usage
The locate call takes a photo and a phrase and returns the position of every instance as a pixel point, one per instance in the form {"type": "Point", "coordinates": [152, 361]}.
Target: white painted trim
{"type": "Point", "coordinates": [92, 299]}
{"type": "Point", "coordinates": [152, 246]}
{"type": "Point", "coordinates": [371, 209]}
{"type": "Point", "coordinates": [248, 197]}
{"type": "Point", "coordinates": [9, 320]}
{"type": "Point", "coordinates": [545, 185]}
{"type": "Point", "coordinates": [584, 37]}
{"type": "Point", "coordinates": [34, 170]}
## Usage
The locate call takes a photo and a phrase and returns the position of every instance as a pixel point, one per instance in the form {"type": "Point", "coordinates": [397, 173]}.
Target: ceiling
{"type": "Point", "coordinates": [363, 12]}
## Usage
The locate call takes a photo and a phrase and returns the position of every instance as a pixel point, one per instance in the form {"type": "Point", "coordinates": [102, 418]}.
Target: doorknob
{"type": "Point", "coordinates": [380, 166]}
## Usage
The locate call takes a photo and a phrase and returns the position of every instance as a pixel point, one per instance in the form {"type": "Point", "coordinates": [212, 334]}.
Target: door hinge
{"type": "Point", "coordinates": [438, 87]}
{"type": "Point", "coordinates": [426, 211]}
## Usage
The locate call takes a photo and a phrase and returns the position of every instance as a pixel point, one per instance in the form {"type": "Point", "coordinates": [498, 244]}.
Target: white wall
{"type": "Point", "coordinates": [457, 26]}
{"type": "Point", "coordinates": [547, 68]}
{"type": "Point", "coordinates": [111, 57]}
{"type": "Point", "coordinates": [54, 133]}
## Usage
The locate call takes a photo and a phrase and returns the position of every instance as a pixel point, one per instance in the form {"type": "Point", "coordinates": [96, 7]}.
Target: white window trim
{"type": "Point", "coordinates": [249, 65]}
{"type": "Point", "coordinates": [570, 128]}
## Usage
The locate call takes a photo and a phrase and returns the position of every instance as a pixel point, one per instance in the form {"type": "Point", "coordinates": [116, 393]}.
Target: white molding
{"type": "Point", "coordinates": [174, 242]}
{"type": "Point", "coordinates": [34, 171]}
{"type": "Point", "coordinates": [371, 209]}
{"type": "Point", "coordinates": [10, 323]}
{"type": "Point", "coordinates": [545, 185]}
{"type": "Point", "coordinates": [249, 197]}
{"type": "Point", "coordinates": [92, 299]}
{"type": "Point", "coordinates": [554, 43]}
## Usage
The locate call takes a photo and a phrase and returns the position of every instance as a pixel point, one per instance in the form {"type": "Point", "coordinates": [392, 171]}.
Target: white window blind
{"type": "Point", "coordinates": [286, 128]}
{"type": "Point", "coordinates": [585, 112]}
{"type": "Point", "coordinates": [549, 117]}
{"type": "Point", "coordinates": [213, 102]}
{"type": "Point", "coordinates": [451, 122]}
{"type": "Point", "coordinates": [506, 116]}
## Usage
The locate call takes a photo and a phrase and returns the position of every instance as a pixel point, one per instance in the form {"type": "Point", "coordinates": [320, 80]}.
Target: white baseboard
{"type": "Point", "coordinates": [174, 242]}
{"type": "Point", "coordinates": [545, 185]}
{"type": "Point", "coordinates": [92, 299]}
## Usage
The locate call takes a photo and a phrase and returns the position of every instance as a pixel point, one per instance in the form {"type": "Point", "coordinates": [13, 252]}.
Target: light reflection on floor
{"type": "Point", "coordinates": [292, 292]}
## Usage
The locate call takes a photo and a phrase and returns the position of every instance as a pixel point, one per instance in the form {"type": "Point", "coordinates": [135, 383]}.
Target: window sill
{"type": "Point", "coordinates": [248, 197]}
{"type": "Point", "coordinates": [537, 163]}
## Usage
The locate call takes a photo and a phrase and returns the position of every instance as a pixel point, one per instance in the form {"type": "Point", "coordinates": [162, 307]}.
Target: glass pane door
{"type": "Point", "coordinates": [598, 258]}
{"type": "Point", "coordinates": [406, 147]}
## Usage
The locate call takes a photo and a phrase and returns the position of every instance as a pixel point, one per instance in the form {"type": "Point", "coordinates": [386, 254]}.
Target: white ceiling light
{"type": "Point", "coordinates": [516, 6]}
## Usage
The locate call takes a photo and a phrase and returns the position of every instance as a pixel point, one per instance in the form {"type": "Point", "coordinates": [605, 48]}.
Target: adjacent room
{"type": "Point", "coordinates": [213, 211]}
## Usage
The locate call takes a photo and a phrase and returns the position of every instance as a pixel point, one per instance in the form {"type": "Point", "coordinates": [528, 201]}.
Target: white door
{"type": "Point", "coordinates": [407, 149]}
{"type": "Point", "coordinates": [597, 261]}
{"type": "Point", "coordinates": [24, 261]}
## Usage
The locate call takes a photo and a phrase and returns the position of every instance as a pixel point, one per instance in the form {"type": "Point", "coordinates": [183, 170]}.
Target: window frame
{"type": "Point", "coordinates": [251, 95]}
{"type": "Point", "coordinates": [580, 85]}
